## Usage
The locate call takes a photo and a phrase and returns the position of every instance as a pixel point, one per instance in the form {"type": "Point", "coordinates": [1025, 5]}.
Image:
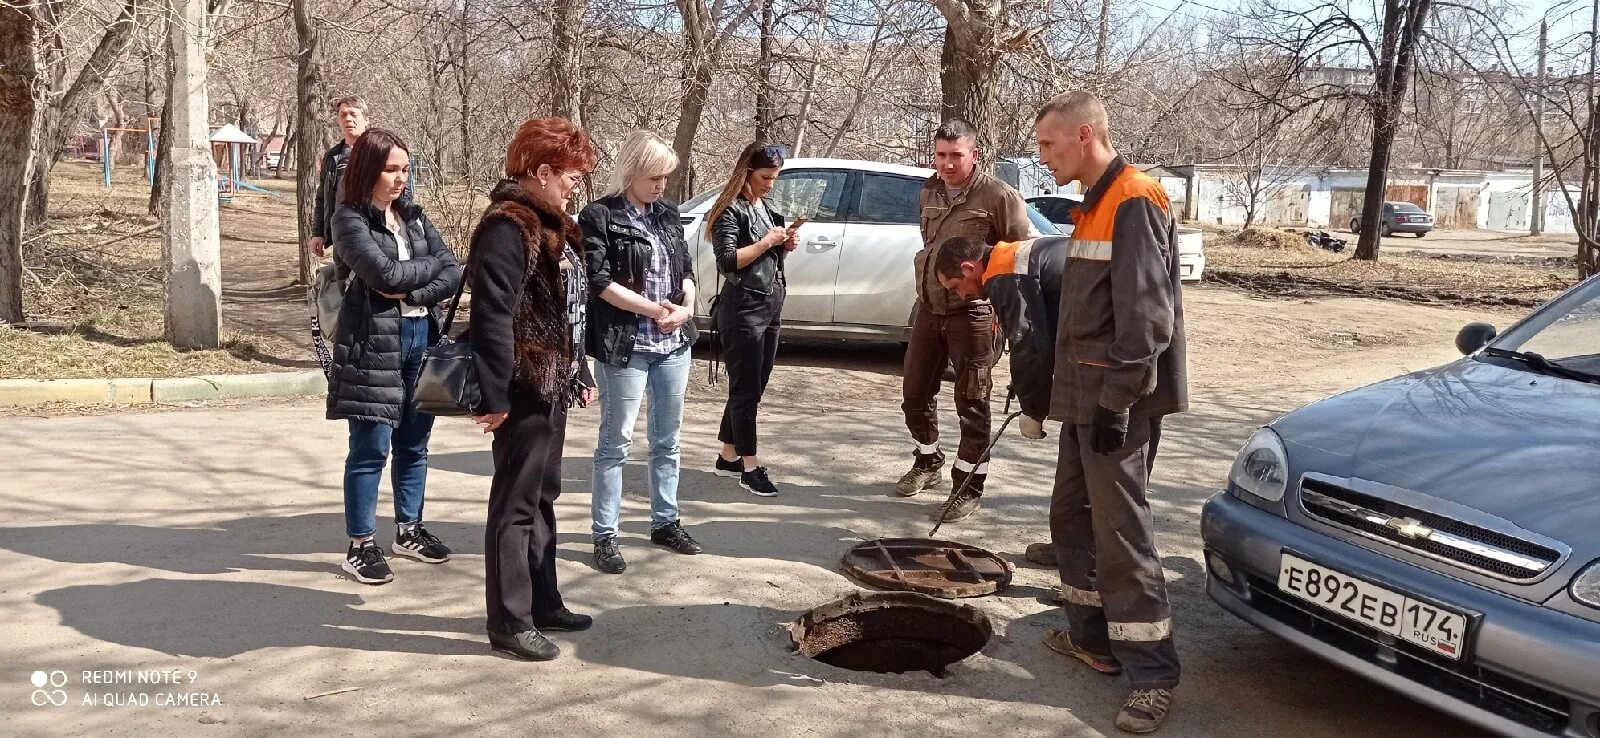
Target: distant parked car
{"type": "Point", "coordinates": [270, 161]}
{"type": "Point", "coordinates": [852, 277]}
{"type": "Point", "coordinates": [1436, 532]}
{"type": "Point", "coordinates": [1399, 217]}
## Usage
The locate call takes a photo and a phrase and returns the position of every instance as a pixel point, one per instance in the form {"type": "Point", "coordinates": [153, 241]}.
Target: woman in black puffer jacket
{"type": "Point", "coordinates": [399, 270]}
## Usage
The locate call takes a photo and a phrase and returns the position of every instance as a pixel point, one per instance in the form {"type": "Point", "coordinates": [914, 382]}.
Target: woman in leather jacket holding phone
{"type": "Point", "coordinates": [750, 242]}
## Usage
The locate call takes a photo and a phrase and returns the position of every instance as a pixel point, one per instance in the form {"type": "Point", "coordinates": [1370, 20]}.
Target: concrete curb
{"type": "Point", "coordinates": [143, 390]}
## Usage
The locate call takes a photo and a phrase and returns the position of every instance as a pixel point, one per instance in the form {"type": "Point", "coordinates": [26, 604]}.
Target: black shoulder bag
{"type": "Point", "coordinates": [448, 382]}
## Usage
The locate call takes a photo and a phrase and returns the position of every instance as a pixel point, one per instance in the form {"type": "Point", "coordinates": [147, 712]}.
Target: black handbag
{"type": "Point", "coordinates": [448, 382]}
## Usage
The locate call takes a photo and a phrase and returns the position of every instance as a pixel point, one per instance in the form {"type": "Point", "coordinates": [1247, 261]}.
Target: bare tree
{"type": "Point", "coordinates": [309, 103]}
{"type": "Point", "coordinates": [19, 80]}
{"type": "Point", "coordinates": [75, 102]}
{"type": "Point", "coordinates": [1334, 29]}
{"type": "Point", "coordinates": [566, 60]}
{"type": "Point", "coordinates": [704, 34]}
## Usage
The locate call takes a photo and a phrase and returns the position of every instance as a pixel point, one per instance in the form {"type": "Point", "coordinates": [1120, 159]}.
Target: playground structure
{"type": "Point", "coordinates": [229, 149]}
{"type": "Point", "coordinates": [107, 156]}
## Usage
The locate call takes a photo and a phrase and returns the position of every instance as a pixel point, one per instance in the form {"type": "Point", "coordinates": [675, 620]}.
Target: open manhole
{"type": "Point", "coordinates": [939, 568]}
{"type": "Point", "coordinates": [891, 632]}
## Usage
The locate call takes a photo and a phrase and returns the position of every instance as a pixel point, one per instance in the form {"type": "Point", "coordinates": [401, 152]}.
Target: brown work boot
{"type": "Point", "coordinates": [959, 508]}
{"type": "Point", "coordinates": [1060, 641]}
{"type": "Point", "coordinates": [1145, 710]}
{"type": "Point", "coordinates": [924, 474]}
{"type": "Point", "coordinates": [1043, 554]}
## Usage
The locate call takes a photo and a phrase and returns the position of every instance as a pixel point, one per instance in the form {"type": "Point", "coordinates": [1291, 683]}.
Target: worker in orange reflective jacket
{"type": "Point", "coordinates": [1119, 369]}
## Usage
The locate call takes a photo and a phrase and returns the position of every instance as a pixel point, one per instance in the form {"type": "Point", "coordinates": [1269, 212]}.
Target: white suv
{"type": "Point", "coordinates": [852, 276]}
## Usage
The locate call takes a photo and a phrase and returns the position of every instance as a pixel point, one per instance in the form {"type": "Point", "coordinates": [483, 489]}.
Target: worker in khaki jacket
{"type": "Point", "coordinates": [959, 200]}
{"type": "Point", "coordinates": [1119, 369]}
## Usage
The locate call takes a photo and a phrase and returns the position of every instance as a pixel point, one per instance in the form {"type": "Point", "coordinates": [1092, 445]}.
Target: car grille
{"type": "Point", "coordinates": [1493, 691]}
{"type": "Point", "coordinates": [1467, 545]}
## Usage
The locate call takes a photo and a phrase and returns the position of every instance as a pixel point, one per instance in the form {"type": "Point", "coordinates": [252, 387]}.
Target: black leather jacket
{"type": "Point", "coordinates": [740, 226]}
{"type": "Point", "coordinates": [618, 252]}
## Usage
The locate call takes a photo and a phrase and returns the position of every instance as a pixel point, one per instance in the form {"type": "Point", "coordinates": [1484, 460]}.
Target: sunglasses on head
{"type": "Point", "coordinates": [775, 151]}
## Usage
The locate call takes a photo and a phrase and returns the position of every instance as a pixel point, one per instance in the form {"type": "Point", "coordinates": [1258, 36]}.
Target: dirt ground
{"type": "Point", "coordinates": [1476, 272]}
{"type": "Point", "coordinates": [1471, 242]}
{"type": "Point", "coordinates": [94, 287]}
{"type": "Point", "coordinates": [206, 541]}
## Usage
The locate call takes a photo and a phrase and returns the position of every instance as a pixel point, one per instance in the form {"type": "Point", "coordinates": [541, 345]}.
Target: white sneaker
{"type": "Point", "coordinates": [1032, 429]}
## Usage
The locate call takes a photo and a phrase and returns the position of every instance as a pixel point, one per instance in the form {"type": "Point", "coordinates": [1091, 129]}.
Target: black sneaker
{"type": "Point", "coordinates": [529, 644]}
{"type": "Point", "coordinates": [417, 543]}
{"type": "Point", "coordinates": [732, 469]}
{"type": "Point", "coordinates": [755, 481]}
{"type": "Point", "coordinates": [365, 564]}
{"type": "Point", "coordinates": [673, 536]}
{"type": "Point", "coordinates": [606, 556]}
{"type": "Point", "coordinates": [564, 619]}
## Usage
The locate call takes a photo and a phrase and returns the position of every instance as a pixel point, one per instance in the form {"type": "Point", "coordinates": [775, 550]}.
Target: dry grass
{"type": "Point", "coordinates": [1280, 262]}
{"type": "Point", "coordinates": [93, 293]}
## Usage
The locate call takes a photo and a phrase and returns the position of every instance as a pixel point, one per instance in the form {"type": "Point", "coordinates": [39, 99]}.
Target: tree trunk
{"type": "Point", "coordinates": [702, 44]}
{"type": "Point", "coordinates": [463, 65]}
{"type": "Point", "coordinates": [290, 144]}
{"type": "Point", "coordinates": [969, 75]}
{"type": "Point", "coordinates": [19, 76]}
{"type": "Point", "coordinates": [968, 80]}
{"type": "Point", "coordinates": [57, 126]}
{"type": "Point", "coordinates": [1383, 130]}
{"type": "Point", "coordinates": [566, 60]}
{"type": "Point", "coordinates": [766, 107]}
{"type": "Point", "coordinates": [308, 103]}
{"type": "Point", "coordinates": [158, 190]}
{"type": "Point", "coordinates": [1102, 39]}
{"type": "Point", "coordinates": [1402, 26]}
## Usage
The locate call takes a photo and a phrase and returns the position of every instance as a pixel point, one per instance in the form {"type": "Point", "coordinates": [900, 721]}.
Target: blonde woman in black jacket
{"type": "Point", "coordinates": [749, 241]}
{"type": "Point", "coordinates": [400, 271]}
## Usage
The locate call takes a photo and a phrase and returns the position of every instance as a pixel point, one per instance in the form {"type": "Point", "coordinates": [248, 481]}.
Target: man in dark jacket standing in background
{"type": "Point", "coordinates": [352, 112]}
{"type": "Point", "coordinates": [958, 200]}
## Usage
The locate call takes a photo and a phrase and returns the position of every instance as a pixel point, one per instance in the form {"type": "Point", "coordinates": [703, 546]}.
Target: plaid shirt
{"type": "Point", "coordinates": [658, 284]}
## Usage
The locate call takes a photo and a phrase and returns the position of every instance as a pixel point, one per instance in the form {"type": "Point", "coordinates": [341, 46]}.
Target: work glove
{"type": "Point", "coordinates": [1109, 430]}
{"type": "Point", "coordinates": [1032, 428]}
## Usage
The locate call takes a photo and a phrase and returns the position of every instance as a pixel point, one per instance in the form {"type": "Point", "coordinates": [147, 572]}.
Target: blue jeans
{"type": "Point", "coordinates": [370, 443]}
{"type": "Point", "coordinates": [665, 378]}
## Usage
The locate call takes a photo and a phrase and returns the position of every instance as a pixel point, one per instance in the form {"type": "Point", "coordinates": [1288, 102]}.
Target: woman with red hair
{"type": "Point", "coordinates": [529, 296]}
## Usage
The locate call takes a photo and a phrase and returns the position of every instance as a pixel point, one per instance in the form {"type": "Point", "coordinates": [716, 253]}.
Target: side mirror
{"type": "Point", "coordinates": [1474, 336]}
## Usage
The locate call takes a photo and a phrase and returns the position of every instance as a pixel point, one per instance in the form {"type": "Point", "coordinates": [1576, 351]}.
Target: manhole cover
{"type": "Point", "coordinates": [891, 632]}
{"type": "Point", "coordinates": [939, 568]}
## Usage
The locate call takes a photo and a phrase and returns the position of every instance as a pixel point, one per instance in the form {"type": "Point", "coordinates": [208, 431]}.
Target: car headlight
{"type": "Point", "coordinates": [1586, 587]}
{"type": "Point", "coordinates": [1262, 466]}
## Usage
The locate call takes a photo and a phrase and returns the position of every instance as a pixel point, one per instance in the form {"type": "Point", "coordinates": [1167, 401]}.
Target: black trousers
{"type": "Point", "coordinates": [520, 545]}
{"type": "Point", "coordinates": [747, 324]}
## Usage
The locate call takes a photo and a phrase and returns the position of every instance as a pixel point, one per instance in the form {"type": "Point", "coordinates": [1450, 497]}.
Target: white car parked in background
{"type": "Point", "coordinates": [852, 276]}
{"type": "Point", "coordinates": [1191, 243]}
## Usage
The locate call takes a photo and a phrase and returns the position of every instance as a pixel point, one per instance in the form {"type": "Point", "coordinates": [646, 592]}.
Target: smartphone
{"type": "Point", "coordinates": [795, 226]}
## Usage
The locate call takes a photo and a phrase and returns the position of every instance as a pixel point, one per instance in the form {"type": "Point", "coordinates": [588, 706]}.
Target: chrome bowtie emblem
{"type": "Point", "coordinates": [1409, 528]}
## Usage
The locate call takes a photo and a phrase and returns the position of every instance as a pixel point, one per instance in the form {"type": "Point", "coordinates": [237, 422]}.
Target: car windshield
{"type": "Point", "coordinates": [1566, 332]}
{"type": "Point", "coordinates": [1406, 207]}
{"type": "Point", "coordinates": [1041, 223]}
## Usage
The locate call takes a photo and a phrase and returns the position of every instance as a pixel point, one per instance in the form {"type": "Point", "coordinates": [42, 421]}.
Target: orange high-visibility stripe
{"type": "Point", "coordinates": [1002, 260]}
{"type": "Point", "coordinates": [1100, 223]}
